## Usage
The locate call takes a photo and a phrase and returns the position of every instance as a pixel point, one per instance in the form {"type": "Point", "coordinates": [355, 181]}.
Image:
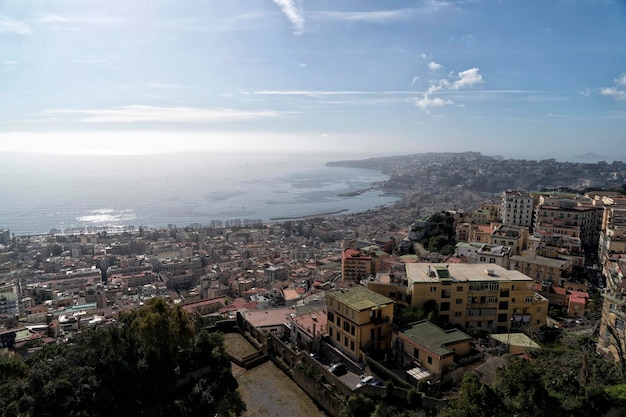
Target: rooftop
{"type": "Point", "coordinates": [360, 298]}
{"type": "Point", "coordinates": [435, 272]}
{"type": "Point", "coordinates": [433, 337]}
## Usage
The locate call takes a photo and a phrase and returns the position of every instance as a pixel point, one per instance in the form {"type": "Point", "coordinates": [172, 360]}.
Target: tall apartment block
{"type": "Point", "coordinates": [359, 320]}
{"type": "Point", "coordinates": [355, 265]}
{"type": "Point", "coordinates": [470, 295]}
{"type": "Point", "coordinates": [517, 208]}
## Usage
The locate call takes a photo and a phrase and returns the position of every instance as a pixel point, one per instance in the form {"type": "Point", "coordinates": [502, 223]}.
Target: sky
{"type": "Point", "coordinates": [522, 79]}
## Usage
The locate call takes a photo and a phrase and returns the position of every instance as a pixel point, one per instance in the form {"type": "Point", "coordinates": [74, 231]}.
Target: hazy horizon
{"type": "Point", "coordinates": [525, 80]}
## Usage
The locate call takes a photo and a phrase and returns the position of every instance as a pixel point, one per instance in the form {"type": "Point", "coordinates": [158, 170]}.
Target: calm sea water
{"type": "Point", "coordinates": [43, 192]}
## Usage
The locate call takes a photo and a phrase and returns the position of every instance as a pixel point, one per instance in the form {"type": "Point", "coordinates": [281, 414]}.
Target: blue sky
{"type": "Point", "coordinates": [523, 79]}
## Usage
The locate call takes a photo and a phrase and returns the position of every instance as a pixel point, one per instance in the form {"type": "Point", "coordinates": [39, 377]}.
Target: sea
{"type": "Point", "coordinates": [42, 194]}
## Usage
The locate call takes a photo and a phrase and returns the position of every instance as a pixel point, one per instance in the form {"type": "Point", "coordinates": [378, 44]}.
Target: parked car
{"type": "Point", "coordinates": [367, 380]}
{"type": "Point", "coordinates": [338, 369]}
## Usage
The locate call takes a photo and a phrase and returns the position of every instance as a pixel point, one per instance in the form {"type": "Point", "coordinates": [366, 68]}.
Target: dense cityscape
{"type": "Point", "coordinates": [493, 287]}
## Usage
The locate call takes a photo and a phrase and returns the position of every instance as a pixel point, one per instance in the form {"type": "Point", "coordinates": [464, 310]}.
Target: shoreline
{"type": "Point", "coordinates": [309, 216]}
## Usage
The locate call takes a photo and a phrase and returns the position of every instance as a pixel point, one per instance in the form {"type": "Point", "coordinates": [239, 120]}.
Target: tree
{"type": "Point", "coordinates": [475, 400]}
{"type": "Point", "coordinates": [153, 364]}
{"type": "Point", "coordinates": [523, 391]}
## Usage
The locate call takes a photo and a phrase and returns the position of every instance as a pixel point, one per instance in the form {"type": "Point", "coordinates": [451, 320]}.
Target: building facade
{"type": "Point", "coordinates": [355, 265]}
{"type": "Point", "coordinates": [517, 208]}
{"type": "Point", "coordinates": [470, 295]}
{"type": "Point", "coordinates": [359, 321]}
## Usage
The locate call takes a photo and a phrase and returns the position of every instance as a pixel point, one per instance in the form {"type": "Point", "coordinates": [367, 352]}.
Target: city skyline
{"type": "Point", "coordinates": [518, 79]}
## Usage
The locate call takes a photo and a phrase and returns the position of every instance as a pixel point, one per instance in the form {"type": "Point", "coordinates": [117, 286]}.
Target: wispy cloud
{"type": "Point", "coordinates": [152, 114]}
{"type": "Point", "coordinates": [617, 91]}
{"type": "Point", "coordinates": [425, 103]}
{"type": "Point", "coordinates": [433, 66]}
{"type": "Point", "coordinates": [614, 92]}
{"type": "Point", "coordinates": [14, 26]}
{"type": "Point", "coordinates": [463, 79]}
{"type": "Point", "coordinates": [381, 16]}
{"type": "Point", "coordinates": [426, 7]}
{"type": "Point", "coordinates": [292, 13]}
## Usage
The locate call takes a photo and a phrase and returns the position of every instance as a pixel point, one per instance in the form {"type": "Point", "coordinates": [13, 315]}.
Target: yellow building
{"type": "Point", "coordinates": [424, 346]}
{"type": "Point", "coordinates": [359, 321]}
{"type": "Point", "coordinates": [470, 295]}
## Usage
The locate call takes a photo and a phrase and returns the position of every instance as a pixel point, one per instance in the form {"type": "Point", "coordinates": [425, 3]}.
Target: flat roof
{"type": "Point", "coordinates": [434, 338]}
{"type": "Point", "coordinates": [541, 260]}
{"type": "Point", "coordinates": [423, 273]}
{"type": "Point", "coordinates": [268, 318]}
{"type": "Point", "coordinates": [360, 298]}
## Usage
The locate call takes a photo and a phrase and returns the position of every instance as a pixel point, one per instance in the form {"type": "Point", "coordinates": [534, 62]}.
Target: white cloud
{"type": "Point", "coordinates": [433, 66]}
{"type": "Point", "coordinates": [293, 14]}
{"type": "Point", "coordinates": [380, 16]}
{"type": "Point", "coordinates": [414, 80]}
{"type": "Point", "coordinates": [465, 79]}
{"type": "Point", "coordinates": [468, 78]}
{"type": "Point", "coordinates": [14, 26]}
{"type": "Point", "coordinates": [423, 56]}
{"type": "Point", "coordinates": [139, 114]}
{"type": "Point", "coordinates": [585, 92]}
{"type": "Point", "coordinates": [616, 93]}
{"type": "Point", "coordinates": [423, 8]}
{"type": "Point", "coordinates": [425, 102]}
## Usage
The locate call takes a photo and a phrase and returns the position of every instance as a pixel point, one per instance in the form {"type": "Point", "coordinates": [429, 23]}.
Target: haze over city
{"type": "Point", "coordinates": [534, 79]}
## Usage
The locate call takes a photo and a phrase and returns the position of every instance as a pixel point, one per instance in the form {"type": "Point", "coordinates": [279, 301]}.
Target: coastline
{"type": "Point", "coordinates": [309, 216]}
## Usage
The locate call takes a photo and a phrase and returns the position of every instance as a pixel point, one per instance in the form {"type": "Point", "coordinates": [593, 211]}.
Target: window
{"type": "Point", "coordinates": [338, 321]}
{"type": "Point", "coordinates": [345, 341]}
{"type": "Point", "coordinates": [346, 326]}
{"type": "Point", "coordinates": [352, 345]}
{"type": "Point", "coordinates": [529, 299]}
{"type": "Point", "coordinates": [331, 317]}
{"type": "Point", "coordinates": [459, 301]}
{"type": "Point", "coordinates": [457, 314]}
{"type": "Point", "coordinates": [444, 307]}
{"type": "Point", "coordinates": [459, 289]}
{"type": "Point", "coordinates": [352, 330]}
{"type": "Point", "coordinates": [416, 353]}
{"type": "Point", "coordinates": [338, 337]}
{"type": "Point", "coordinates": [430, 360]}
{"type": "Point", "coordinates": [433, 289]}
{"type": "Point", "coordinates": [619, 323]}
{"type": "Point", "coordinates": [330, 331]}
{"type": "Point", "coordinates": [446, 293]}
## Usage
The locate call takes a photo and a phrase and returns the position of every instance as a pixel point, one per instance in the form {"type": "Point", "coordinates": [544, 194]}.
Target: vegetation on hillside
{"type": "Point", "coordinates": [153, 364]}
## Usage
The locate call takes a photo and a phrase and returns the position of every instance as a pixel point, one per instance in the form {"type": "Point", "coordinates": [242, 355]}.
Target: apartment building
{"type": "Point", "coordinates": [517, 208]}
{"type": "Point", "coordinates": [359, 321]}
{"type": "Point", "coordinates": [558, 215]}
{"type": "Point", "coordinates": [470, 295]}
{"type": "Point", "coordinates": [612, 333]}
{"type": "Point", "coordinates": [515, 237]}
{"type": "Point", "coordinates": [355, 265]}
{"type": "Point", "coordinates": [484, 253]}
{"type": "Point", "coordinates": [544, 269]}
{"type": "Point", "coordinates": [424, 346]}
